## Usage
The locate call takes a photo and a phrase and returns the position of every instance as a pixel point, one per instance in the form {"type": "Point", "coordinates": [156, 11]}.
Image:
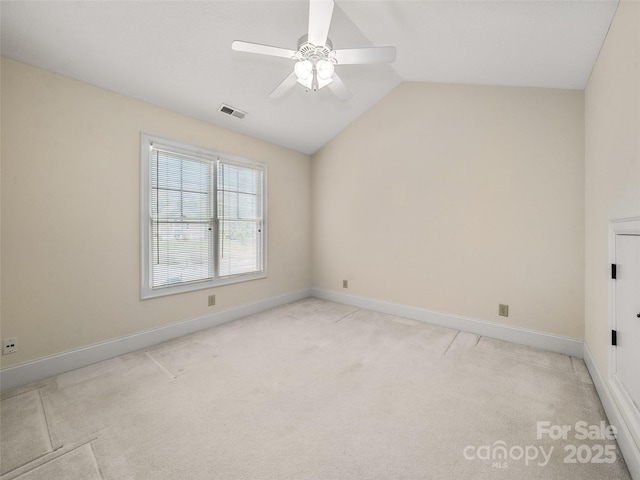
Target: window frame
{"type": "Point", "coordinates": [147, 141]}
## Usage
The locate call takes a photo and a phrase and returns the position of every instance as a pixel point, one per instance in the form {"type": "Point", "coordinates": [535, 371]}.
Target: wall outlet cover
{"type": "Point", "coordinates": [9, 345]}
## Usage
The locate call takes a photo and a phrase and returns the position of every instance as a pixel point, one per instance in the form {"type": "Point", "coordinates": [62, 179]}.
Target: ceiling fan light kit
{"type": "Point", "coordinates": [303, 69]}
{"type": "Point", "coordinates": [325, 69]}
{"type": "Point", "coordinates": [315, 58]}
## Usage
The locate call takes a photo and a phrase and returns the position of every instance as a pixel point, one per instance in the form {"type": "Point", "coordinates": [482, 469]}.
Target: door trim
{"type": "Point", "coordinates": [628, 447]}
{"type": "Point", "coordinates": [630, 414]}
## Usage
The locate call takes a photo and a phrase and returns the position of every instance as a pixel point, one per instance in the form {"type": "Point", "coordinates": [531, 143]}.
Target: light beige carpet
{"type": "Point", "coordinates": [313, 390]}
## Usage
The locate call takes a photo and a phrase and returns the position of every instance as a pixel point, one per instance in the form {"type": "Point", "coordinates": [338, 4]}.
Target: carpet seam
{"type": "Point", "coordinates": [451, 342]}
{"type": "Point", "coordinates": [568, 372]}
{"type": "Point", "coordinates": [46, 421]}
{"type": "Point", "coordinates": [42, 460]}
{"type": "Point", "coordinates": [577, 373]}
{"type": "Point", "coordinates": [347, 315]}
{"type": "Point", "coordinates": [161, 366]}
{"type": "Point", "coordinates": [95, 459]}
{"type": "Point", "coordinates": [17, 392]}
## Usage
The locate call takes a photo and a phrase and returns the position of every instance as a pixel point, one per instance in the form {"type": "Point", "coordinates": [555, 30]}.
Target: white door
{"type": "Point", "coordinates": [627, 320]}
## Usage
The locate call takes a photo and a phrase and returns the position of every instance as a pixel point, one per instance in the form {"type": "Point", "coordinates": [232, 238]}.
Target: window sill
{"type": "Point", "coordinates": [147, 293]}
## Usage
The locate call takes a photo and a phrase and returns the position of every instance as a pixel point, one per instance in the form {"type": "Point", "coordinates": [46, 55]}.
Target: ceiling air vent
{"type": "Point", "coordinates": [234, 112]}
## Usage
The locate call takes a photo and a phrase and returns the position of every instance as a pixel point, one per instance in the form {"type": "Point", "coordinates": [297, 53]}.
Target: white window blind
{"type": "Point", "coordinates": [204, 218]}
{"type": "Point", "coordinates": [182, 218]}
{"type": "Point", "coordinates": [240, 218]}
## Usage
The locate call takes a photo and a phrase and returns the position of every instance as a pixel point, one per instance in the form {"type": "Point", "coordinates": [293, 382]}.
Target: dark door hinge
{"type": "Point", "coordinates": [614, 338]}
{"type": "Point", "coordinates": [613, 271]}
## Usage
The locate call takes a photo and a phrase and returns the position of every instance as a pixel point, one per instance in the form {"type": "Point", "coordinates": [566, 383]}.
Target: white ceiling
{"type": "Point", "coordinates": [178, 55]}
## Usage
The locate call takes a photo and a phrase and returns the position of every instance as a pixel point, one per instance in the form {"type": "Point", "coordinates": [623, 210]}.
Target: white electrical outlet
{"type": "Point", "coordinates": [9, 345]}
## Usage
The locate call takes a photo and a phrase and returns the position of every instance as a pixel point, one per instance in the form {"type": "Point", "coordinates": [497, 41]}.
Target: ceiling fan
{"type": "Point", "coordinates": [315, 57]}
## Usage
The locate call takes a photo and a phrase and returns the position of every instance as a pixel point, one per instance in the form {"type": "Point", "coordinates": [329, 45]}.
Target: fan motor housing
{"type": "Point", "coordinates": [309, 51]}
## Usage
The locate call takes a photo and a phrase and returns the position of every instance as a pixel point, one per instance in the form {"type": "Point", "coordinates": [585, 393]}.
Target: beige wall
{"type": "Point", "coordinates": [612, 152]}
{"type": "Point", "coordinates": [457, 198]}
{"type": "Point", "coordinates": [70, 214]}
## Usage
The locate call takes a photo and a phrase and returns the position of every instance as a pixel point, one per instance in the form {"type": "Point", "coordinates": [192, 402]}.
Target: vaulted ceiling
{"type": "Point", "coordinates": [177, 54]}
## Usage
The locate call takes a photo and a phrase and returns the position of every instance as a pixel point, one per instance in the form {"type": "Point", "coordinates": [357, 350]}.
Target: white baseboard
{"type": "Point", "coordinates": [630, 451]}
{"type": "Point", "coordinates": [45, 367]}
{"type": "Point", "coordinates": [531, 338]}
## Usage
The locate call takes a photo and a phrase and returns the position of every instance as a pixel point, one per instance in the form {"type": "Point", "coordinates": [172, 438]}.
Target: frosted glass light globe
{"type": "Point", "coordinates": [303, 69]}
{"type": "Point", "coordinates": [325, 69]}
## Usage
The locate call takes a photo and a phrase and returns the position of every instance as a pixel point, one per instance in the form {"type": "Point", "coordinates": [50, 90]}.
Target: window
{"type": "Point", "coordinates": [202, 218]}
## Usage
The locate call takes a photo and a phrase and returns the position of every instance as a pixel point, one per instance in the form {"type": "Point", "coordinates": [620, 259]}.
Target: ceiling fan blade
{"type": "Point", "coordinates": [320, 12]}
{"type": "Point", "coordinates": [285, 86]}
{"type": "Point", "coordinates": [262, 49]}
{"type": "Point", "coordinates": [353, 56]}
{"type": "Point", "coordinates": [339, 89]}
